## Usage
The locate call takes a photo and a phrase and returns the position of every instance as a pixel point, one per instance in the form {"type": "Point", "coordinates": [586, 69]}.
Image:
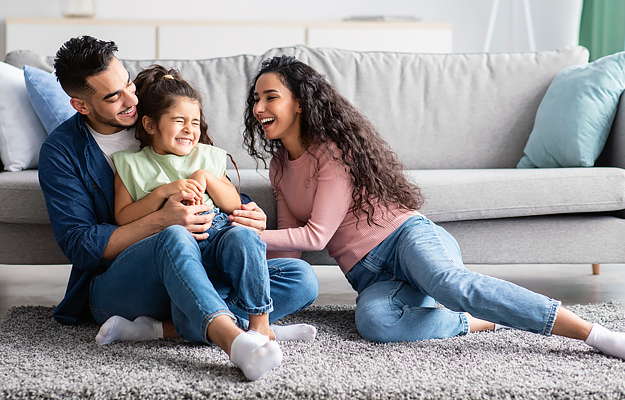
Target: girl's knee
{"type": "Point", "coordinates": [242, 236]}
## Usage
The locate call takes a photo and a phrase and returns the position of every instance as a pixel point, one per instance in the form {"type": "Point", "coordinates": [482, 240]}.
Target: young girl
{"type": "Point", "coordinates": [338, 185]}
{"type": "Point", "coordinates": [177, 156]}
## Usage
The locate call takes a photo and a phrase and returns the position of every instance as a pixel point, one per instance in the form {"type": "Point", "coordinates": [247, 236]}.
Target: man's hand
{"type": "Point", "coordinates": [250, 216]}
{"type": "Point", "coordinates": [176, 213]}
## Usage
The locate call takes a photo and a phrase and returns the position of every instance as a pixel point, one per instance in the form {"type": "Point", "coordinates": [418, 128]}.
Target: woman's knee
{"type": "Point", "coordinates": [375, 320]}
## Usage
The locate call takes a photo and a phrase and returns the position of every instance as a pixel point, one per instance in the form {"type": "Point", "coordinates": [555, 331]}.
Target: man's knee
{"type": "Point", "coordinates": [176, 233]}
{"type": "Point", "coordinates": [298, 276]}
{"type": "Point", "coordinates": [309, 283]}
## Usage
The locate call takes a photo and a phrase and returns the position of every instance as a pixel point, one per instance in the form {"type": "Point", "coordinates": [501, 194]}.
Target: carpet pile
{"type": "Point", "coordinates": [40, 358]}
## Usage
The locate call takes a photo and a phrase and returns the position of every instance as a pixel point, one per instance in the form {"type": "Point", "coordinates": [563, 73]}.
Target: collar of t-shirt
{"type": "Point", "coordinates": [109, 144]}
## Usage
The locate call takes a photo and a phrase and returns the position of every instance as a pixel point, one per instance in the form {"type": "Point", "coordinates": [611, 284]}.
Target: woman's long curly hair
{"type": "Point", "coordinates": [378, 177]}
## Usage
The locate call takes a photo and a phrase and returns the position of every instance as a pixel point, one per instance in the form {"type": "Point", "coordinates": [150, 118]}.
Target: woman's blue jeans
{"type": "Point", "coordinates": [167, 276]}
{"type": "Point", "coordinates": [419, 264]}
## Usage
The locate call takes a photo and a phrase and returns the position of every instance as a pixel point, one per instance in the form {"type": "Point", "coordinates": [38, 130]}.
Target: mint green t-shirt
{"type": "Point", "coordinates": [145, 170]}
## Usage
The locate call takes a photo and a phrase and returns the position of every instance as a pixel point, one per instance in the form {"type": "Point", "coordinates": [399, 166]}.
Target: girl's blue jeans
{"type": "Point", "coordinates": [170, 275]}
{"type": "Point", "coordinates": [400, 281]}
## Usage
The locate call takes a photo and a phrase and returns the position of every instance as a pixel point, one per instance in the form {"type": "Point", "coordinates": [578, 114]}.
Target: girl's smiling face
{"type": "Point", "coordinates": [178, 130]}
{"type": "Point", "coordinates": [276, 110]}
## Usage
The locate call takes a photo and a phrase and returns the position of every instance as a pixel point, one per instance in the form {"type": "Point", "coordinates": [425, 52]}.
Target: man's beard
{"type": "Point", "coordinates": [110, 122]}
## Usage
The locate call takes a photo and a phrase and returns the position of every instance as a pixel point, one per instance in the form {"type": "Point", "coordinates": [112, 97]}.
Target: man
{"type": "Point", "coordinates": [148, 267]}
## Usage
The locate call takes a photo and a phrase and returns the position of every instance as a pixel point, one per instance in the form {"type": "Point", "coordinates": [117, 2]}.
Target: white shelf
{"type": "Point", "coordinates": [158, 39]}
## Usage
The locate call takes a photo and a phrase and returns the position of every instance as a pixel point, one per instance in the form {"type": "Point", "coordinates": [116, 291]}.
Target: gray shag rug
{"type": "Point", "coordinates": [40, 358]}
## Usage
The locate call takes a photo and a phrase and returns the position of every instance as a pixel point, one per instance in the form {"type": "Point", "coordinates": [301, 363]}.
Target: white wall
{"type": "Point", "coordinates": [556, 22]}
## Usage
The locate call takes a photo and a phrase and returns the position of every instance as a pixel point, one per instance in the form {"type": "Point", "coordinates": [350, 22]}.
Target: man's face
{"type": "Point", "coordinates": [112, 107]}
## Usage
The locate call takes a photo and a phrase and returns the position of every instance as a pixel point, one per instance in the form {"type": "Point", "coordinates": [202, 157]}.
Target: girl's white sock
{"type": "Point", "coordinates": [498, 327]}
{"type": "Point", "coordinates": [119, 328]}
{"type": "Point", "coordinates": [607, 341]}
{"type": "Point", "coordinates": [285, 333]}
{"type": "Point", "coordinates": [255, 354]}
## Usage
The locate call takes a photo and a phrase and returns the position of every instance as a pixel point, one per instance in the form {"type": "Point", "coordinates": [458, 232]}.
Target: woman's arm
{"type": "Point", "coordinates": [127, 210]}
{"type": "Point", "coordinates": [331, 203]}
{"type": "Point", "coordinates": [222, 191]}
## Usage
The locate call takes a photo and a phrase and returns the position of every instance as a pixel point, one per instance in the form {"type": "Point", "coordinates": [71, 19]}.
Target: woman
{"type": "Point", "coordinates": [338, 185]}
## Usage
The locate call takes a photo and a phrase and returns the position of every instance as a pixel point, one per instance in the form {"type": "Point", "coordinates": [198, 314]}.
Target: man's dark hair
{"type": "Point", "coordinates": [80, 58]}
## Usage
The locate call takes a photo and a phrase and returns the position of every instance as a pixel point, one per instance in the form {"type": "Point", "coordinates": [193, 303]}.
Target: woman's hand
{"type": "Point", "coordinates": [250, 216]}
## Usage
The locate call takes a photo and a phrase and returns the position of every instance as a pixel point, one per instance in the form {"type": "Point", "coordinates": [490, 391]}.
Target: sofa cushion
{"type": "Point", "coordinates": [47, 97]}
{"type": "Point", "coordinates": [500, 193]}
{"type": "Point", "coordinates": [22, 199]}
{"type": "Point", "coordinates": [21, 132]}
{"type": "Point", "coordinates": [442, 111]}
{"type": "Point", "coordinates": [576, 114]}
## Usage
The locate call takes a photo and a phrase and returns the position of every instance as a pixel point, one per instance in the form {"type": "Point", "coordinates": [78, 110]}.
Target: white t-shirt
{"type": "Point", "coordinates": [109, 144]}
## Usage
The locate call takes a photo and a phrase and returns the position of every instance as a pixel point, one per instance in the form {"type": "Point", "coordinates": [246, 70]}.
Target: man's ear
{"type": "Point", "coordinates": [148, 124]}
{"type": "Point", "coordinates": [80, 105]}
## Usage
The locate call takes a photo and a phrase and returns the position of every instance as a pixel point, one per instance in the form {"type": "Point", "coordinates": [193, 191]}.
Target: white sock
{"type": "Point", "coordinates": [119, 328]}
{"type": "Point", "coordinates": [498, 327]}
{"type": "Point", "coordinates": [284, 333]}
{"type": "Point", "coordinates": [255, 354]}
{"type": "Point", "coordinates": [607, 341]}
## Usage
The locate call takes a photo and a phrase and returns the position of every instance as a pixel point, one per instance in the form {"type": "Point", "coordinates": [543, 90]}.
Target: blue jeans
{"type": "Point", "coordinates": [220, 221]}
{"type": "Point", "coordinates": [419, 264]}
{"type": "Point", "coordinates": [166, 276]}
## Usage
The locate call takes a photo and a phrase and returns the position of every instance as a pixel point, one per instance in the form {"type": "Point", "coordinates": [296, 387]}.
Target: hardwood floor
{"type": "Point", "coordinates": [573, 284]}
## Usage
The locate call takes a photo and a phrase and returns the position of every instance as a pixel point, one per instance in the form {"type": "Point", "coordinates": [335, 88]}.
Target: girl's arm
{"type": "Point", "coordinates": [222, 191]}
{"type": "Point", "coordinates": [127, 210]}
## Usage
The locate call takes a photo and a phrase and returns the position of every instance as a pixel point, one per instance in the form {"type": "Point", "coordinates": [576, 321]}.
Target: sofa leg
{"type": "Point", "coordinates": [596, 269]}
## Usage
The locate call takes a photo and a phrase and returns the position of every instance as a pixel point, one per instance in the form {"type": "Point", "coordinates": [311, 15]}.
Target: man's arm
{"type": "Point", "coordinates": [127, 210]}
{"type": "Point", "coordinates": [82, 220]}
{"type": "Point", "coordinates": [172, 213]}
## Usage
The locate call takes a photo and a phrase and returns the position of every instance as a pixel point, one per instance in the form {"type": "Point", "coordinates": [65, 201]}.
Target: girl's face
{"type": "Point", "coordinates": [276, 109]}
{"type": "Point", "coordinates": [178, 130]}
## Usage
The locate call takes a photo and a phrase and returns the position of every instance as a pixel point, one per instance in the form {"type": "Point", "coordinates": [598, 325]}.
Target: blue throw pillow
{"type": "Point", "coordinates": [575, 116]}
{"type": "Point", "coordinates": [49, 100]}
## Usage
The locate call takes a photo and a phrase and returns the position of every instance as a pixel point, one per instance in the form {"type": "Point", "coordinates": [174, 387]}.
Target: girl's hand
{"type": "Point", "coordinates": [184, 185]}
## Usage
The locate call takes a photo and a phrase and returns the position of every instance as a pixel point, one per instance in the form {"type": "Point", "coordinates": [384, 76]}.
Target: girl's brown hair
{"type": "Point", "coordinates": [378, 177]}
{"type": "Point", "coordinates": [158, 89]}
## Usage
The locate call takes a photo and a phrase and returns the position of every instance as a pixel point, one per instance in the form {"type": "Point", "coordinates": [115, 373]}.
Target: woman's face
{"type": "Point", "coordinates": [276, 109]}
{"type": "Point", "coordinates": [178, 130]}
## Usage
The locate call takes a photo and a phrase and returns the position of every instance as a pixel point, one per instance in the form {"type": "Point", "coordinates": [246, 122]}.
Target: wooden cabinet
{"type": "Point", "coordinates": [149, 39]}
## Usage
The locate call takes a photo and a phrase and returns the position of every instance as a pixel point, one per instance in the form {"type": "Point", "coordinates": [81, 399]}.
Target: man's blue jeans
{"type": "Point", "coordinates": [419, 264]}
{"type": "Point", "coordinates": [166, 276]}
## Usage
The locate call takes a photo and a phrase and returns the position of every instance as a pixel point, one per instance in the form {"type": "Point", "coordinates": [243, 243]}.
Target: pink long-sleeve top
{"type": "Point", "coordinates": [313, 202]}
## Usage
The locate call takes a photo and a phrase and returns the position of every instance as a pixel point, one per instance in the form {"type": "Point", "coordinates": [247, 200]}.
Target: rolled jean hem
{"type": "Point", "coordinates": [465, 324]}
{"type": "Point", "coordinates": [553, 314]}
{"type": "Point", "coordinates": [256, 310]}
{"type": "Point", "coordinates": [210, 319]}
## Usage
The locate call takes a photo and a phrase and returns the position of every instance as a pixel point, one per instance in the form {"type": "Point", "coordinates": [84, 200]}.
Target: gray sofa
{"type": "Point", "coordinates": [458, 121]}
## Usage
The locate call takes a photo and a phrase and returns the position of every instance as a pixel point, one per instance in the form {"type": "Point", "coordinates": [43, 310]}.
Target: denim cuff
{"type": "Point", "coordinates": [255, 310]}
{"type": "Point", "coordinates": [551, 320]}
{"type": "Point", "coordinates": [465, 323]}
{"type": "Point", "coordinates": [210, 319]}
